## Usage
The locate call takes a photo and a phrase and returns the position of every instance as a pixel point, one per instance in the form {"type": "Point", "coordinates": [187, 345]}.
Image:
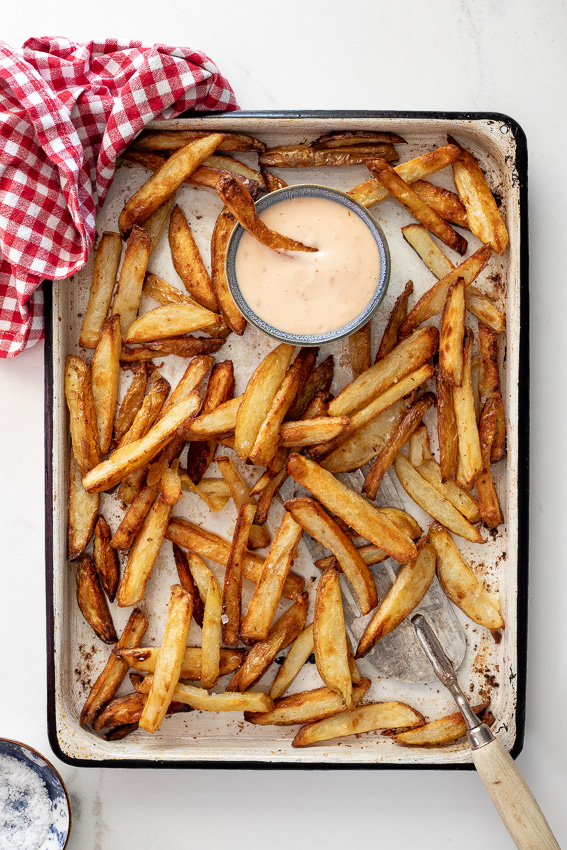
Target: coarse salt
{"type": "Point", "coordinates": [25, 807]}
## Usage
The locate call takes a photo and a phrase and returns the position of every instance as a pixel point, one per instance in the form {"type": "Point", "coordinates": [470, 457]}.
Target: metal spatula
{"type": "Point", "coordinates": [398, 655]}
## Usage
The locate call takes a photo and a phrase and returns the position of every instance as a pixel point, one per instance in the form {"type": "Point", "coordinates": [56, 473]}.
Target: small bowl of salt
{"type": "Point", "coordinates": [35, 813]}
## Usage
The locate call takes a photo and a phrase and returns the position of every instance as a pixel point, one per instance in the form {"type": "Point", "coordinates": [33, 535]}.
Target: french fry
{"type": "Point", "coordinates": [166, 140]}
{"type": "Point", "coordinates": [437, 732]}
{"type": "Point", "coordinates": [211, 637]}
{"type": "Point", "coordinates": [105, 379]}
{"type": "Point", "coordinates": [403, 521]}
{"type": "Point", "coordinates": [258, 397]}
{"type": "Point", "coordinates": [329, 637]}
{"type": "Point", "coordinates": [489, 506]}
{"type": "Point", "coordinates": [445, 203]}
{"type": "Point", "coordinates": [452, 334]}
{"type": "Point", "coordinates": [405, 358]}
{"type": "Point", "coordinates": [306, 706]}
{"type": "Point", "coordinates": [283, 632]}
{"type": "Point", "coordinates": [82, 414]}
{"type": "Point", "coordinates": [155, 224]}
{"type": "Point", "coordinates": [105, 559]}
{"type": "Point", "coordinates": [316, 522]}
{"type": "Point", "coordinates": [107, 260]}
{"type": "Point", "coordinates": [407, 591]}
{"type": "Point", "coordinates": [132, 521]}
{"type": "Point", "coordinates": [221, 234]}
{"type": "Point", "coordinates": [447, 430]}
{"type": "Point", "coordinates": [143, 554]}
{"type": "Point", "coordinates": [170, 321]}
{"type": "Point", "coordinates": [319, 381]}
{"type": "Point", "coordinates": [114, 671]}
{"type": "Point", "coordinates": [220, 421]}
{"type": "Point", "coordinates": [267, 441]}
{"type": "Point", "coordinates": [431, 500]}
{"type": "Point", "coordinates": [200, 699]}
{"type": "Point", "coordinates": [374, 525]}
{"type": "Point", "coordinates": [460, 583]}
{"type": "Point", "coordinates": [214, 492]}
{"type": "Point", "coordinates": [489, 387]}
{"type": "Point", "coordinates": [304, 156]}
{"type": "Point", "coordinates": [163, 292]}
{"type": "Point", "coordinates": [83, 510]}
{"type": "Point", "coordinates": [258, 535]}
{"type": "Point", "coordinates": [267, 495]}
{"type": "Point", "coordinates": [220, 388]}
{"type": "Point", "coordinates": [188, 263]}
{"type": "Point", "coordinates": [297, 655]}
{"type": "Point", "coordinates": [168, 666]}
{"type": "Point", "coordinates": [398, 437]}
{"type": "Point", "coordinates": [306, 359]}
{"type": "Point", "coordinates": [359, 350]}
{"type": "Point", "coordinates": [166, 181]}
{"type": "Point", "coordinates": [373, 191]}
{"type": "Point", "coordinates": [92, 600]}
{"type": "Point", "coordinates": [419, 450]}
{"type": "Point", "coordinates": [465, 417]}
{"type": "Point", "coordinates": [460, 498]}
{"type": "Point", "coordinates": [209, 545]}
{"type": "Point", "coordinates": [352, 666]}
{"type": "Point", "coordinates": [271, 180]}
{"type": "Point", "coordinates": [391, 331]}
{"type": "Point", "coordinates": [131, 403]}
{"type": "Point", "coordinates": [188, 583]}
{"type": "Point", "coordinates": [364, 718]}
{"type": "Point", "coordinates": [120, 711]}
{"type": "Point", "coordinates": [318, 408]}
{"type": "Point", "coordinates": [145, 658]}
{"type": "Point", "coordinates": [309, 432]}
{"type": "Point", "coordinates": [129, 290]}
{"type": "Point", "coordinates": [149, 411]}
{"type": "Point", "coordinates": [129, 458]}
{"type": "Point", "coordinates": [358, 137]}
{"type": "Point", "coordinates": [483, 215]}
{"type": "Point", "coordinates": [262, 607]}
{"type": "Point", "coordinates": [232, 588]}
{"type": "Point", "coordinates": [241, 205]}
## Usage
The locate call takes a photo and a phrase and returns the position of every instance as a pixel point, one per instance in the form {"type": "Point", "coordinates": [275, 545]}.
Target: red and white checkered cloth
{"type": "Point", "coordinates": [67, 111]}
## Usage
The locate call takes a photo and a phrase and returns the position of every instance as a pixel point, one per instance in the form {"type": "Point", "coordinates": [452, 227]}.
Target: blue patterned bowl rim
{"type": "Point", "coordinates": [311, 190]}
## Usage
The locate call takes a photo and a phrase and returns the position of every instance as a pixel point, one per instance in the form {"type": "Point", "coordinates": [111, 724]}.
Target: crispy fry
{"type": "Point", "coordinates": [374, 525]}
{"type": "Point", "coordinates": [163, 292]}
{"type": "Point", "coordinates": [305, 156]}
{"type": "Point", "coordinates": [465, 417]}
{"type": "Point", "coordinates": [267, 495]}
{"type": "Point", "coordinates": [128, 293]}
{"type": "Point", "coordinates": [209, 545]}
{"type": "Point", "coordinates": [232, 589]}
{"type": "Point", "coordinates": [187, 583]}
{"type": "Point", "coordinates": [358, 137]}
{"type": "Point", "coordinates": [149, 411]}
{"type": "Point", "coordinates": [316, 522]}
{"type": "Point", "coordinates": [309, 432]}
{"type": "Point", "coordinates": [268, 439]}
{"type": "Point", "coordinates": [409, 588]}
{"type": "Point", "coordinates": [401, 191]}
{"type": "Point", "coordinates": [364, 718]}
{"type": "Point", "coordinates": [307, 706]}
{"type": "Point", "coordinates": [220, 421]}
{"type": "Point", "coordinates": [134, 517]}
{"type": "Point", "coordinates": [143, 554]}
{"type": "Point", "coordinates": [155, 224]}
{"type": "Point", "coordinates": [241, 205]}
{"type": "Point", "coordinates": [92, 600]}
{"type": "Point", "coordinates": [82, 414]}
{"type": "Point", "coordinates": [419, 450]}
{"type": "Point", "coordinates": [200, 699]}
{"type": "Point", "coordinates": [489, 506]}
{"type": "Point", "coordinates": [258, 537]}
{"type": "Point", "coordinates": [166, 180]}
{"type": "Point", "coordinates": [188, 263]}
{"type": "Point", "coordinates": [447, 430]}
{"type": "Point", "coordinates": [83, 510]}
{"type": "Point", "coordinates": [461, 499]}
{"type": "Point", "coordinates": [398, 437]}
{"type": "Point", "coordinates": [297, 655]}
{"type": "Point", "coordinates": [460, 583]}
{"type": "Point", "coordinates": [214, 492]}
{"type": "Point", "coordinates": [121, 711]}
{"type": "Point", "coordinates": [271, 180]}
{"type": "Point", "coordinates": [145, 659]}
{"type": "Point", "coordinates": [437, 732]}
{"type": "Point", "coordinates": [452, 334]}
{"type": "Point", "coordinates": [168, 666]}
{"type": "Point", "coordinates": [105, 379]}
{"type": "Point", "coordinates": [359, 350]}
{"type": "Point", "coordinates": [391, 331]}
{"type": "Point", "coordinates": [211, 638]}
{"type": "Point", "coordinates": [105, 559]}
{"type": "Point", "coordinates": [329, 637]}
{"type": "Point", "coordinates": [131, 403]}
{"type": "Point", "coordinates": [170, 321]}
{"type": "Point", "coordinates": [489, 387]}
{"type": "Point", "coordinates": [306, 359]}
{"type": "Point", "coordinates": [220, 388]}
{"type": "Point", "coordinates": [319, 407]}
{"type": "Point", "coordinates": [107, 260]}
{"type": "Point", "coordinates": [221, 234]}
{"type": "Point", "coordinates": [169, 140]}
{"type": "Point", "coordinates": [319, 381]}
{"type": "Point", "coordinates": [445, 203]}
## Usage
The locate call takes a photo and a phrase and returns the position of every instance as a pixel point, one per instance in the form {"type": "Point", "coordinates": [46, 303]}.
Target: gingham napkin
{"type": "Point", "coordinates": [67, 111]}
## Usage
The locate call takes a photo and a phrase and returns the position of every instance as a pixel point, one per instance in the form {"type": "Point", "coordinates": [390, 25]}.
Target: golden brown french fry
{"type": "Point", "coordinates": [211, 639]}
{"type": "Point", "coordinates": [121, 711]}
{"type": "Point", "coordinates": [297, 655]}
{"type": "Point", "coordinates": [489, 387]}
{"type": "Point", "coordinates": [188, 263]}
{"type": "Point", "coordinates": [460, 583]}
{"type": "Point", "coordinates": [445, 203]}
{"type": "Point", "coordinates": [271, 180]}
{"type": "Point", "coordinates": [370, 555]}
{"type": "Point", "coordinates": [155, 224]}
{"type": "Point", "coordinates": [419, 450]}
{"type": "Point", "coordinates": [306, 359]}
{"type": "Point", "coordinates": [207, 544]}
{"type": "Point", "coordinates": [483, 215]}
{"type": "Point", "coordinates": [220, 388]}
{"type": "Point", "coordinates": [359, 350]}
{"type": "Point", "coordinates": [405, 358]}
{"type": "Point", "coordinates": [232, 589]}
{"type": "Point", "coordinates": [258, 535]}
{"type": "Point", "coordinates": [452, 334]}
{"type": "Point", "coordinates": [409, 588]}
{"type": "Point", "coordinates": [329, 637]}
{"type": "Point", "coordinates": [92, 600]}
{"type": "Point", "coordinates": [316, 522]}
{"type": "Point", "coordinates": [200, 699]}
{"type": "Point", "coordinates": [460, 498]}
{"type": "Point", "coordinates": [319, 381]}
{"type": "Point", "coordinates": [262, 607]}
{"type": "Point", "coordinates": [489, 505]}
{"type": "Point", "coordinates": [83, 510]}
{"type": "Point", "coordinates": [398, 437]}
{"type": "Point", "coordinates": [373, 191]}
{"type": "Point", "coordinates": [391, 331]}
{"type": "Point", "coordinates": [107, 260]}
{"type": "Point", "coordinates": [129, 290]}
{"type": "Point", "coordinates": [149, 411]}
{"type": "Point", "coordinates": [170, 321]}
{"type": "Point", "coordinates": [221, 420]}
{"type": "Point", "coordinates": [401, 191]}
{"type": "Point", "coordinates": [306, 706]}
{"type": "Point", "coordinates": [305, 156]}
{"type": "Point", "coordinates": [163, 292]}
{"type": "Point", "coordinates": [267, 441]}
{"type": "Point", "coordinates": [447, 430]}
{"type": "Point", "coordinates": [437, 732]}
{"type": "Point", "coordinates": [221, 234]}
{"type": "Point", "coordinates": [131, 403]}
{"type": "Point", "coordinates": [309, 432]}
{"type": "Point", "coordinates": [267, 495]}
{"type": "Point", "coordinates": [82, 414]}
{"type": "Point", "coordinates": [105, 379]}
{"type": "Point", "coordinates": [370, 523]}
{"type": "Point", "coordinates": [166, 140]}
{"type": "Point", "coordinates": [364, 718]}
{"type": "Point", "coordinates": [283, 632]}
{"type": "Point", "coordinates": [143, 554]}
{"type": "Point", "coordinates": [134, 517]}
{"type": "Point", "coordinates": [139, 453]}
{"type": "Point", "coordinates": [241, 205]}
{"type": "Point", "coordinates": [114, 671]}
{"type": "Point", "coordinates": [318, 408]}
{"type": "Point", "coordinates": [258, 397]}
{"type": "Point", "coordinates": [357, 137]}
{"type": "Point", "coordinates": [168, 666]}
{"type": "Point", "coordinates": [188, 583]}
{"type": "Point", "coordinates": [214, 492]}
{"type": "Point", "coordinates": [144, 659]}
{"type": "Point", "coordinates": [166, 181]}
{"type": "Point", "coordinates": [465, 417]}
{"type": "Point", "coordinates": [105, 559]}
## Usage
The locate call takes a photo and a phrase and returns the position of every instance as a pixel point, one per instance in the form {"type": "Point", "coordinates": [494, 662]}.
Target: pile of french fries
{"type": "Point", "coordinates": [161, 441]}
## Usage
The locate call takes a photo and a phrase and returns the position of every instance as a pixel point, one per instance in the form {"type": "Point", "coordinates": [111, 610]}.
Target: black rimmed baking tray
{"type": "Point", "coordinates": [74, 656]}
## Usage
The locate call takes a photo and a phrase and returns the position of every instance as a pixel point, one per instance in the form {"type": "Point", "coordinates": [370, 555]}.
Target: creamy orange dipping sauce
{"type": "Point", "coordinates": [310, 293]}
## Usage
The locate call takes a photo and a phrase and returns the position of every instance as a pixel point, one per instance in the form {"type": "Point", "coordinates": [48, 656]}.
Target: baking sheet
{"type": "Point", "coordinates": [489, 670]}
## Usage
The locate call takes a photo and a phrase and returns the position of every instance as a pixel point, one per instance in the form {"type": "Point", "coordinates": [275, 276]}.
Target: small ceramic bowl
{"type": "Point", "coordinates": [311, 190]}
{"type": "Point", "coordinates": [60, 827]}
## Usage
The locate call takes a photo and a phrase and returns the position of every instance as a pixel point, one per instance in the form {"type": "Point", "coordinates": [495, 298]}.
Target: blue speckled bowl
{"type": "Point", "coordinates": [61, 808]}
{"type": "Point", "coordinates": [301, 191]}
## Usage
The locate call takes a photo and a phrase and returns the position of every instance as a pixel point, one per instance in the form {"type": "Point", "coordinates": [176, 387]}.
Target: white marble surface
{"type": "Point", "coordinates": [486, 55]}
